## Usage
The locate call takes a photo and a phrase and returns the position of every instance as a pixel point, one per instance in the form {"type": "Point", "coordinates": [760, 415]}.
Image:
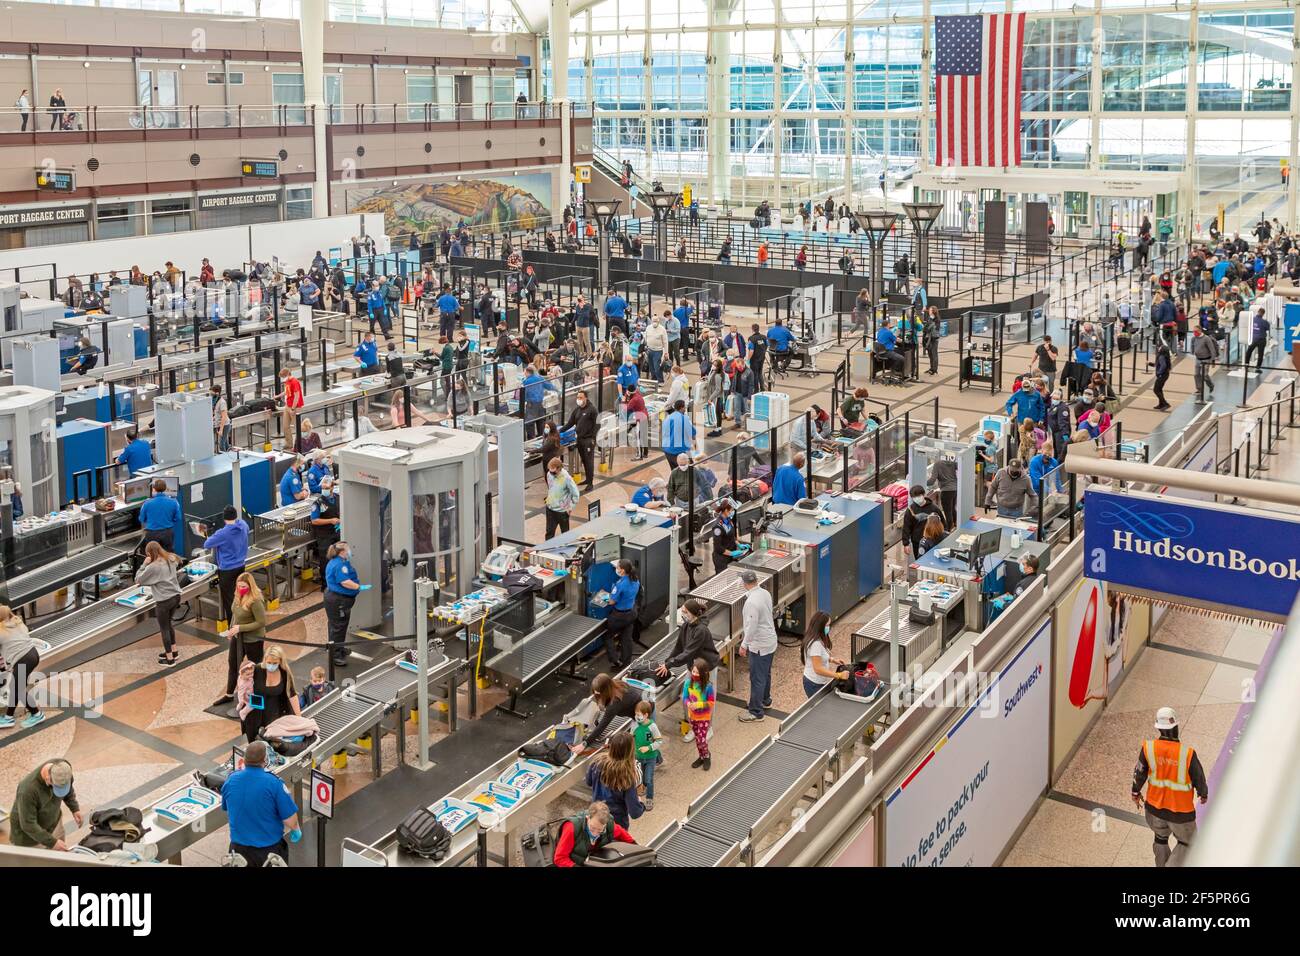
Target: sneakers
{"type": "Point", "coordinates": [649, 803]}
{"type": "Point", "coordinates": [6, 722]}
{"type": "Point", "coordinates": [697, 763]}
{"type": "Point", "coordinates": [31, 720]}
{"type": "Point", "coordinates": [747, 717]}
{"type": "Point", "coordinates": [708, 762]}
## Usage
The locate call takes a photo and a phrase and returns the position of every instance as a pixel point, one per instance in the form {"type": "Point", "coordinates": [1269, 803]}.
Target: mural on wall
{"type": "Point", "coordinates": [512, 202]}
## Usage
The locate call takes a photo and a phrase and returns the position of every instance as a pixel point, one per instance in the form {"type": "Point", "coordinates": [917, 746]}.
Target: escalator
{"type": "Point", "coordinates": [606, 184]}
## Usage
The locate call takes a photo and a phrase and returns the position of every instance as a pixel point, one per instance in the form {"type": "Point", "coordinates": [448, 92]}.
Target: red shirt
{"type": "Point", "coordinates": [564, 845]}
{"type": "Point", "coordinates": [293, 393]}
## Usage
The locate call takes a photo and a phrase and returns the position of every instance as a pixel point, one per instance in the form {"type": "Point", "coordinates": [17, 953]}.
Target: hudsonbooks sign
{"type": "Point", "coordinates": [1208, 554]}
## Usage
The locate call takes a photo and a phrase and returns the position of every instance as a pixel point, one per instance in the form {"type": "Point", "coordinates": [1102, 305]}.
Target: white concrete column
{"type": "Point", "coordinates": [1289, 219]}
{"type": "Point", "coordinates": [559, 49]}
{"type": "Point", "coordinates": [312, 30]}
{"type": "Point", "coordinates": [1189, 194]}
{"type": "Point", "coordinates": [717, 102]}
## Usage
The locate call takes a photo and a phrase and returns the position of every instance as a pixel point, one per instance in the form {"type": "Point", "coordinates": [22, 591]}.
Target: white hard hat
{"type": "Point", "coordinates": [1166, 719]}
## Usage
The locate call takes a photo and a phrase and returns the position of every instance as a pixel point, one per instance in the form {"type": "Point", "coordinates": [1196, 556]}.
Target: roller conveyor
{"type": "Point", "coordinates": [95, 622]}
{"type": "Point", "coordinates": [688, 847]}
{"type": "Point", "coordinates": [732, 812]}
{"type": "Point", "coordinates": [829, 721]}
{"type": "Point", "coordinates": [36, 584]}
{"type": "Point", "coordinates": [543, 652]}
{"type": "Point", "coordinates": [95, 617]}
{"type": "Point", "coordinates": [768, 783]}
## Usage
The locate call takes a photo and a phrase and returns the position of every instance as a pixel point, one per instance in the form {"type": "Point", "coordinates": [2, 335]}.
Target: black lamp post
{"type": "Point", "coordinates": [923, 216]}
{"type": "Point", "coordinates": [661, 202]}
{"type": "Point", "coordinates": [604, 212]}
{"type": "Point", "coordinates": [876, 224]}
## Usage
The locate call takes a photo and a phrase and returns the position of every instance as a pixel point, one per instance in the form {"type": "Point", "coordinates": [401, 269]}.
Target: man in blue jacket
{"type": "Point", "coordinates": [159, 516]}
{"type": "Point", "coordinates": [628, 376]}
{"type": "Point", "coordinates": [378, 307]}
{"type": "Point", "coordinates": [229, 547]}
{"type": "Point", "coordinates": [260, 810]}
{"type": "Point", "coordinates": [615, 311]}
{"type": "Point", "coordinates": [534, 389]}
{"type": "Point", "coordinates": [367, 353]}
{"type": "Point", "coordinates": [448, 310]}
{"type": "Point", "coordinates": [291, 485]}
{"type": "Point", "coordinates": [683, 314]}
{"type": "Point", "coordinates": [137, 455]}
{"type": "Point", "coordinates": [677, 434]}
{"type": "Point", "coordinates": [780, 342]}
{"type": "Point", "coordinates": [788, 485]}
{"type": "Point", "coordinates": [1026, 403]}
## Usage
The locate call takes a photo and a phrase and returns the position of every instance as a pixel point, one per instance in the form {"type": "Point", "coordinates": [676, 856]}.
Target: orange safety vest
{"type": "Point", "coordinates": [1169, 785]}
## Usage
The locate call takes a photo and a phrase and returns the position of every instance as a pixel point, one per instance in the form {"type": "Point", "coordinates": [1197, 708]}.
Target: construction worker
{"type": "Point", "coordinates": [1171, 771]}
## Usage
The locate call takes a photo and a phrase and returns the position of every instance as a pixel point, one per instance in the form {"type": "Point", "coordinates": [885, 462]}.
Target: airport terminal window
{"type": "Point", "coordinates": [419, 89]}
{"type": "Point", "coordinates": [1243, 61]}
{"type": "Point", "coordinates": [287, 90]}
{"type": "Point", "coordinates": [887, 67]}
{"type": "Point", "coordinates": [1144, 64]}
{"type": "Point", "coordinates": [170, 215]}
{"type": "Point", "coordinates": [298, 203]}
{"type": "Point", "coordinates": [118, 220]}
{"type": "Point", "coordinates": [1057, 65]}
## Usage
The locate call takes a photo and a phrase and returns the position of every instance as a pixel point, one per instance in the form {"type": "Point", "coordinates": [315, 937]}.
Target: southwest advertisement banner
{"type": "Point", "coordinates": [963, 801]}
{"type": "Point", "coordinates": [1214, 555]}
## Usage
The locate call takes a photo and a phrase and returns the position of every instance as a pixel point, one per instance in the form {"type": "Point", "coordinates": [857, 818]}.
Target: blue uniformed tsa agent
{"type": "Point", "coordinates": [137, 455]}
{"type": "Point", "coordinates": [260, 810]}
{"type": "Point", "coordinates": [229, 547]}
{"type": "Point", "coordinates": [341, 589]}
{"type": "Point", "coordinates": [159, 516]}
{"type": "Point", "coordinates": [291, 485]}
{"type": "Point", "coordinates": [622, 614]}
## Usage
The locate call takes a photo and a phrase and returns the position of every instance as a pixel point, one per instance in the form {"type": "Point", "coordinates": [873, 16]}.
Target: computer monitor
{"type": "Point", "coordinates": [988, 542]}
{"type": "Point", "coordinates": [608, 548]}
{"type": "Point", "coordinates": [136, 489]}
{"type": "Point", "coordinates": [746, 518]}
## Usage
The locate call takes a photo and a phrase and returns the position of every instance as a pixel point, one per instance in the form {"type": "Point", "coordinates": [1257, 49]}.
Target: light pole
{"type": "Point", "coordinates": [604, 212]}
{"type": "Point", "coordinates": [923, 216]}
{"type": "Point", "coordinates": [877, 225]}
{"type": "Point", "coordinates": [662, 203]}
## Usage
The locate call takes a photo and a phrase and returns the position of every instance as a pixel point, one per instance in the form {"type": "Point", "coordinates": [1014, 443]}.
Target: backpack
{"type": "Point", "coordinates": [422, 834]}
{"type": "Point", "coordinates": [552, 751]}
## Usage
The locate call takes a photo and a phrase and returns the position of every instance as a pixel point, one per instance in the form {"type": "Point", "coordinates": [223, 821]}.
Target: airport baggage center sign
{"type": "Point", "coordinates": [1209, 554]}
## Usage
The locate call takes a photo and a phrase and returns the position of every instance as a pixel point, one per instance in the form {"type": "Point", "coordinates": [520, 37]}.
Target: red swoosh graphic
{"type": "Point", "coordinates": [1081, 668]}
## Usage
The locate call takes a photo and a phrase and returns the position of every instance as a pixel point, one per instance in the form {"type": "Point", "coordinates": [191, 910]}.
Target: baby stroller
{"type": "Point", "coordinates": [69, 122]}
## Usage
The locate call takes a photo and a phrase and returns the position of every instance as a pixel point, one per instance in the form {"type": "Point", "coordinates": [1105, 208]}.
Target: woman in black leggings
{"type": "Point", "coordinates": [21, 659]}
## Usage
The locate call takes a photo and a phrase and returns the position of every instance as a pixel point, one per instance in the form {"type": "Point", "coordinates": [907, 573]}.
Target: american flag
{"type": "Point", "coordinates": [977, 72]}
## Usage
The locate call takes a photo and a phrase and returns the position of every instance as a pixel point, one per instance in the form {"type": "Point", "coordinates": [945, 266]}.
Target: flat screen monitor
{"type": "Point", "coordinates": [136, 489]}
{"type": "Point", "coordinates": [746, 518]}
{"type": "Point", "coordinates": [988, 542]}
{"type": "Point", "coordinates": [608, 548]}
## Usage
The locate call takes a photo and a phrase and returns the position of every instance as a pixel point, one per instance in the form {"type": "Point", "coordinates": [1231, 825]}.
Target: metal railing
{"type": "Point", "coordinates": [100, 119]}
{"type": "Point", "coordinates": [363, 114]}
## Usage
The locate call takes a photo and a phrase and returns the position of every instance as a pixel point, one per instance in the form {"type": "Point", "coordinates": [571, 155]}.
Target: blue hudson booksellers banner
{"type": "Point", "coordinates": [1210, 553]}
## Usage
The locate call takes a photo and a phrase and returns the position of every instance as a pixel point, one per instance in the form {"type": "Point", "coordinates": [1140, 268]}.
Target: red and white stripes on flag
{"type": "Point", "coordinates": [977, 91]}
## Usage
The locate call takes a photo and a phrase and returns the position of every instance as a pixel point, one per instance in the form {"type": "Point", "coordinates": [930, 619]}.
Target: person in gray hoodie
{"type": "Point", "coordinates": [159, 574]}
{"type": "Point", "coordinates": [1011, 491]}
{"type": "Point", "coordinates": [22, 657]}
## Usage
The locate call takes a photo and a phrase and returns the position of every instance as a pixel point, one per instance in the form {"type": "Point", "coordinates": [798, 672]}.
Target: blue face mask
{"type": "Point", "coordinates": [272, 668]}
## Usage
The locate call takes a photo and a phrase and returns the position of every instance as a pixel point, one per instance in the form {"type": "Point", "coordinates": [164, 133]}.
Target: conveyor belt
{"type": "Point", "coordinates": [688, 847]}
{"type": "Point", "coordinates": [542, 652]}
{"type": "Point", "coordinates": [822, 726]}
{"type": "Point", "coordinates": [336, 715]}
{"type": "Point", "coordinates": [95, 617]}
{"type": "Point", "coordinates": [724, 588]}
{"type": "Point", "coordinates": [733, 811]}
{"type": "Point", "coordinates": [36, 584]}
{"type": "Point", "coordinates": [390, 683]}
